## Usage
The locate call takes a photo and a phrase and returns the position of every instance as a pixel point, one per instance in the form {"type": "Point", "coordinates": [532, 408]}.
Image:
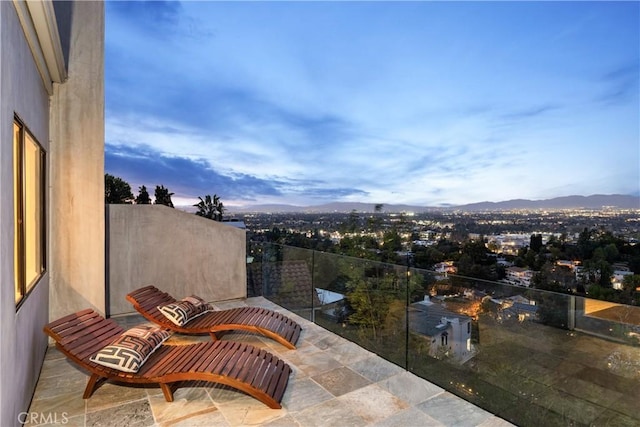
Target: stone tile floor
{"type": "Point", "coordinates": [334, 383]}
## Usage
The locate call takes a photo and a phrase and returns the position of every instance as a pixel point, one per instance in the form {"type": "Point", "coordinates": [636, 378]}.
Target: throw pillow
{"type": "Point", "coordinates": [132, 348]}
{"type": "Point", "coordinates": [181, 312]}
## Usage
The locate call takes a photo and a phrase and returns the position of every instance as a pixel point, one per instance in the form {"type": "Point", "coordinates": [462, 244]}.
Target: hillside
{"type": "Point", "coordinates": [596, 201]}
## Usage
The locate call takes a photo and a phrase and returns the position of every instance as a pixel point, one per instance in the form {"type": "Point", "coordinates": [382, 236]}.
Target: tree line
{"type": "Point", "coordinates": [598, 251]}
{"type": "Point", "coordinates": [118, 191]}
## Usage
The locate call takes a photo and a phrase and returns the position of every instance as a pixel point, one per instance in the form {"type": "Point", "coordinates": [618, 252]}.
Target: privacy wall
{"type": "Point", "coordinates": [176, 251]}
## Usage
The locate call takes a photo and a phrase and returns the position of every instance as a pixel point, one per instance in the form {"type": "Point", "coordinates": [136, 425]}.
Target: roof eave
{"type": "Point", "coordinates": [40, 27]}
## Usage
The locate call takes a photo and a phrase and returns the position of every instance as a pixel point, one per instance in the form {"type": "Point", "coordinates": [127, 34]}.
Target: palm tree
{"type": "Point", "coordinates": [210, 207]}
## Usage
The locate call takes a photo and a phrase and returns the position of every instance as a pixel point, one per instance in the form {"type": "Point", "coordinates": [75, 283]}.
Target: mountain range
{"type": "Point", "coordinates": [595, 201]}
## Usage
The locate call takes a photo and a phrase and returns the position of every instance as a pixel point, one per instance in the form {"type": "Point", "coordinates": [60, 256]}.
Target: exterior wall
{"type": "Point", "coordinates": [23, 344]}
{"type": "Point", "coordinates": [178, 252]}
{"type": "Point", "coordinates": [76, 162]}
{"type": "Point", "coordinates": [63, 117]}
{"type": "Point", "coordinates": [458, 337]}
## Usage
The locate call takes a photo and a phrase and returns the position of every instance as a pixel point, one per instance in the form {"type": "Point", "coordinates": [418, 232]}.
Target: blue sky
{"type": "Point", "coordinates": [425, 103]}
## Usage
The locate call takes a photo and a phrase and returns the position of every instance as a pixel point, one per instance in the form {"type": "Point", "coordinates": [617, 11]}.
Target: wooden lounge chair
{"type": "Point", "coordinates": [261, 320]}
{"type": "Point", "coordinates": [241, 366]}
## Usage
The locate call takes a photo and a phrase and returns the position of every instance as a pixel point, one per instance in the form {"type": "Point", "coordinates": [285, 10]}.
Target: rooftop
{"type": "Point", "coordinates": [334, 382]}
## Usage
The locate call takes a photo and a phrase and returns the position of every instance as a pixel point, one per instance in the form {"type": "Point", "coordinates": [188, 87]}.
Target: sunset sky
{"type": "Point", "coordinates": [423, 103]}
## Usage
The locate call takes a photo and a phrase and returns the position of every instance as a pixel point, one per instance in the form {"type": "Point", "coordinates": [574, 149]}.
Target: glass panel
{"type": "Point", "coordinates": [16, 213]}
{"type": "Point", "coordinates": [530, 356]}
{"type": "Point", "coordinates": [33, 211]}
{"type": "Point", "coordinates": [533, 357]}
{"type": "Point", "coordinates": [283, 275]}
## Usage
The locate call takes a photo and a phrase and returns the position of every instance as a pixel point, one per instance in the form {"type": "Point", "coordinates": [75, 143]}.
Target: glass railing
{"type": "Point", "coordinates": [532, 357]}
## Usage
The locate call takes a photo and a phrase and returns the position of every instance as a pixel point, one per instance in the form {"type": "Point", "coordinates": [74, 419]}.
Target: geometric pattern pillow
{"type": "Point", "coordinates": [131, 349]}
{"type": "Point", "coordinates": [181, 312]}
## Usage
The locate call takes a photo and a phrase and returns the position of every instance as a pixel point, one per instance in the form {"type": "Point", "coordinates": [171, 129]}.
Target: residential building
{"type": "Point", "coordinates": [519, 276]}
{"type": "Point", "coordinates": [617, 278]}
{"type": "Point", "coordinates": [448, 334]}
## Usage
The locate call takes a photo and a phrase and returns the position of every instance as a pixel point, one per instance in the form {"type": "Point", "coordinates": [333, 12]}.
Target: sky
{"type": "Point", "coordinates": [420, 103]}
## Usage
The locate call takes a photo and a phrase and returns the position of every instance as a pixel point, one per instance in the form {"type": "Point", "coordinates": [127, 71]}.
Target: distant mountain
{"type": "Point", "coordinates": [596, 201]}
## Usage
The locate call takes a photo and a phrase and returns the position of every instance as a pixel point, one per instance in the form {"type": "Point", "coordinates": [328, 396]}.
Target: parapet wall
{"type": "Point", "coordinates": [178, 252]}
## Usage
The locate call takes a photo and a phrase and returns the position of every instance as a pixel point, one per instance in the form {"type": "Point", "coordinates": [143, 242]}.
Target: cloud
{"type": "Point", "coordinates": [143, 165]}
{"type": "Point", "coordinates": [189, 178]}
{"type": "Point", "coordinates": [621, 85]}
{"type": "Point", "coordinates": [158, 18]}
{"type": "Point", "coordinates": [529, 112]}
{"type": "Point", "coordinates": [301, 103]}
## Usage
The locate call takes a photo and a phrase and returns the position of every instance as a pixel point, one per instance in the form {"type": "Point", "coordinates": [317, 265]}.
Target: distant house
{"type": "Point", "coordinates": [509, 244]}
{"type": "Point", "coordinates": [503, 262]}
{"type": "Point", "coordinates": [568, 263]}
{"type": "Point", "coordinates": [517, 299]}
{"type": "Point", "coordinates": [618, 277]}
{"type": "Point", "coordinates": [444, 268]}
{"type": "Point", "coordinates": [519, 276]}
{"type": "Point", "coordinates": [521, 311]}
{"type": "Point", "coordinates": [448, 333]}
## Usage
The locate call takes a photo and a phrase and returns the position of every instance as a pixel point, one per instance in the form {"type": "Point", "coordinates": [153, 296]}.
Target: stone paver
{"type": "Point", "coordinates": [334, 382]}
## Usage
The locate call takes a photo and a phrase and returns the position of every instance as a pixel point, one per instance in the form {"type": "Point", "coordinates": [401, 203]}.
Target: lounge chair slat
{"type": "Point", "coordinates": [258, 379]}
{"type": "Point", "coordinates": [258, 365]}
{"type": "Point", "coordinates": [247, 371]}
{"type": "Point", "coordinates": [241, 362]}
{"type": "Point", "coordinates": [217, 361]}
{"type": "Point", "coordinates": [230, 348]}
{"type": "Point", "coordinates": [253, 319]}
{"type": "Point", "coordinates": [205, 363]}
{"type": "Point", "coordinates": [234, 360]}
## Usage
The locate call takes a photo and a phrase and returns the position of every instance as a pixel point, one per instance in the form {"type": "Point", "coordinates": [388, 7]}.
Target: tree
{"type": "Point", "coordinates": [116, 190]}
{"type": "Point", "coordinates": [585, 244]}
{"type": "Point", "coordinates": [629, 285]}
{"type": "Point", "coordinates": [143, 196]}
{"type": "Point", "coordinates": [535, 242]}
{"type": "Point", "coordinates": [210, 207]}
{"type": "Point", "coordinates": [352, 223]}
{"type": "Point", "coordinates": [163, 197]}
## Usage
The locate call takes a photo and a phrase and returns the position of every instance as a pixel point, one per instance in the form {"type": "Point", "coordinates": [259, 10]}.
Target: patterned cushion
{"type": "Point", "coordinates": [131, 349]}
{"type": "Point", "coordinates": [181, 312]}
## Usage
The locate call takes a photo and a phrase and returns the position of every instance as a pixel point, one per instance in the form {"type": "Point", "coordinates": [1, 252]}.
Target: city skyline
{"type": "Point", "coordinates": [421, 103]}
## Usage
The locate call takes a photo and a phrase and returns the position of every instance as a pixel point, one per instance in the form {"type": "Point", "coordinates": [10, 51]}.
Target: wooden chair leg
{"type": "Point", "coordinates": [167, 390]}
{"type": "Point", "coordinates": [94, 382]}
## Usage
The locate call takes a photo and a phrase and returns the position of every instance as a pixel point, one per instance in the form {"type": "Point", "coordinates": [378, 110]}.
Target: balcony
{"type": "Point", "coordinates": [375, 351]}
{"type": "Point", "coordinates": [334, 382]}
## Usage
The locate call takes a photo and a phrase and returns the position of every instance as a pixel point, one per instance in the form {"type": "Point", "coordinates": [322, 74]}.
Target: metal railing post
{"type": "Point", "coordinates": [406, 316]}
{"type": "Point", "coordinates": [313, 287]}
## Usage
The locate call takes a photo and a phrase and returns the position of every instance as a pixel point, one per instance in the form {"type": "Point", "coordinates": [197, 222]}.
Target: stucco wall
{"type": "Point", "coordinates": [23, 344]}
{"type": "Point", "coordinates": [77, 169]}
{"type": "Point", "coordinates": [176, 251]}
{"type": "Point", "coordinates": [70, 127]}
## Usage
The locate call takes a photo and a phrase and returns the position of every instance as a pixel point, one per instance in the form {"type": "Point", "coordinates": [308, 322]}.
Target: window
{"type": "Point", "coordinates": [28, 202]}
{"type": "Point", "coordinates": [444, 338]}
